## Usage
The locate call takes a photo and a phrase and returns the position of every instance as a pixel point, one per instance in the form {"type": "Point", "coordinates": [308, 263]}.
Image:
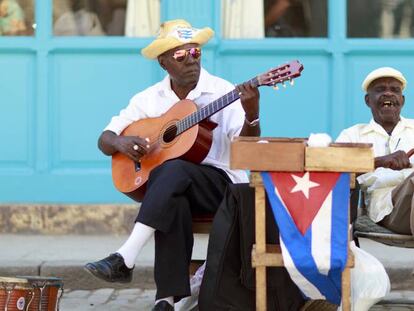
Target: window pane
{"type": "Point", "coordinates": [380, 19]}
{"type": "Point", "coordinates": [106, 17]}
{"type": "Point", "coordinates": [295, 18]}
{"type": "Point", "coordinates": [16, 18]}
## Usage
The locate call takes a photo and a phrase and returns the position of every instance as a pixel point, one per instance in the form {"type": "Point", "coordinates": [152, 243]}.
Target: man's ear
{"type": "Point", "coordinates": [161, 62]}
{"type": "Point", "coordinates": [403, 101]}
{"type": "Point", "coordinates": [367, 100]}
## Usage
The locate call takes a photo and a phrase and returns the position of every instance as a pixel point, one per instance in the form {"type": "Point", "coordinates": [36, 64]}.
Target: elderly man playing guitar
{"type": "Point", "coordinates": [175, 189]}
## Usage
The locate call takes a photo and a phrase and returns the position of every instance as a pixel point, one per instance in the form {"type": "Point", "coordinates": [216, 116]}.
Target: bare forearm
{"type": "Point", "coordinates": [379, 162]}
{"type": "Point", "coordinates": [397, 160]}
{"type": "Point", "coordinates": [133, 147]}
{"type": "Point", "coordinates": [107, 143]}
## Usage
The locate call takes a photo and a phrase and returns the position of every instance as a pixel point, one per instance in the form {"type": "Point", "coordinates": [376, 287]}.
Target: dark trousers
{"type": "Point", "coordinates": [229, 279]}
{"type": "Point", "coordinates": [401, 219]}
{"type": "Point", "coordinates": [175, 190]}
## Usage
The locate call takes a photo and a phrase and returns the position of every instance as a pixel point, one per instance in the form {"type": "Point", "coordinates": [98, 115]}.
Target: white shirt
{"type": "Point", "coordinates": [157, 99]}
{"type": "Point", "coordinates": [379, 184]}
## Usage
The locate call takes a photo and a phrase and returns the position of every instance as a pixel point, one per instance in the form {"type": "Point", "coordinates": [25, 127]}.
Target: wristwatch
{"type": "Point", "coordinates": [255, 122]}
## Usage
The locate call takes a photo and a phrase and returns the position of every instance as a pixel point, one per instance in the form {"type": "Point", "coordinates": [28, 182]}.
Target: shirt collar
{"type": "Point", "coordinates": [204, 85]}
{"type": "Point", "coordinates": [375, 127]}
{"type": "Point", "coordinates": [405, 122]}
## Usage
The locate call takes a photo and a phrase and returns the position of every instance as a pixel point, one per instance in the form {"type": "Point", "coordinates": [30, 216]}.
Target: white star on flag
{"type": "Point", "coordinates": [303, 184]}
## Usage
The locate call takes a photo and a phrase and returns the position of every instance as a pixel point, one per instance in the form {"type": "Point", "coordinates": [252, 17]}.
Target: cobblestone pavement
{"type": "Point", "coordinates": [107, 299]}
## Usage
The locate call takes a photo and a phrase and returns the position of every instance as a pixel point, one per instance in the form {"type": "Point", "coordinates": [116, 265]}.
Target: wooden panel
{"type": "Point", "coordinates": [294, 111]}
{"type": "Point", "coordinates": [81, 109]}
{"type": "Point", "coordinates": [271, 258]}
{"type": "Point", "coordinates": [340, 158]}
{"type": "Point", "coordinates": [268, 154]}
{"type": "Point", "coordinates": [201, 227]}
{"type": "Point", "coordinates": [17, 126]}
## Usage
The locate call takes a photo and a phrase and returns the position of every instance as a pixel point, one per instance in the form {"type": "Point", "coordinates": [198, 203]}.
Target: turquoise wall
{"type": "Point", "coordinates": [58, 93]}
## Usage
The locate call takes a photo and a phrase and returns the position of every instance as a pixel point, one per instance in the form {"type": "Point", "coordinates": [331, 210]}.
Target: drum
{"type": "Point", "coordinates": [47, 292]}
{"type": "Point", "coordinates": [15, 294]}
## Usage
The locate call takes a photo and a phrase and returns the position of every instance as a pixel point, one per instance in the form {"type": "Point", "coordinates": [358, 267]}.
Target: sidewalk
{"type": "Point", "coordinates": [107, 299]}
{"type": "Point", "coordinates": [64, 256]}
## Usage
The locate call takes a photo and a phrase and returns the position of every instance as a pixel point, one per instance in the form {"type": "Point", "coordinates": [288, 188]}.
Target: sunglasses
{"type": "Point", "coordinates": [180, 55]}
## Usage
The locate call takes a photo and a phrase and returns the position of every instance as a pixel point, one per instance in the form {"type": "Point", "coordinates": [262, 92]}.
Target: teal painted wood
{"type": "Point", "coordinates": [198, 13]}
{"type": "Point", "coordinates": [58, 94]}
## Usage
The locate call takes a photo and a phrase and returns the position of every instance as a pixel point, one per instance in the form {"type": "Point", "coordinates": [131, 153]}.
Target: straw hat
{"type": "Point", "coordinates": [175, 33]}
{"type": "Point", "coordinates": [383, 72]}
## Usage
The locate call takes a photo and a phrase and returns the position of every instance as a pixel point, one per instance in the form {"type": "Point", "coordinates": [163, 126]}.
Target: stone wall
{"type": "Point", "coordinates": [67, 219]}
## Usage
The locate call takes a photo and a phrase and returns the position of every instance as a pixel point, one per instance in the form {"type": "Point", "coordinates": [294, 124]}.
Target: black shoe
{"type": "Point", "coordinates": [163, 306]}
{"type": "Point", "coordinates": [111, 269]}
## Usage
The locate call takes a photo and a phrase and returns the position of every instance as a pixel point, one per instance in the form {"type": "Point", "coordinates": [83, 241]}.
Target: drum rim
{"type": "Point", "coordinates": [7, 283]}
{"type": "Point", "coordinates": [44, 280]}
{"type": "Point", "coordinates": [20, 280]}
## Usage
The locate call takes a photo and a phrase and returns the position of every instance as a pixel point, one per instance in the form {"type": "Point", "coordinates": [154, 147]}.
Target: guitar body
{"type": "Point", "coordinates": [192, 145]}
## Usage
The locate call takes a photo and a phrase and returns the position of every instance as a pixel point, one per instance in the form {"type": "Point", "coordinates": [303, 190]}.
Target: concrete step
{"type": "Point", "coordinates": [398, 262]}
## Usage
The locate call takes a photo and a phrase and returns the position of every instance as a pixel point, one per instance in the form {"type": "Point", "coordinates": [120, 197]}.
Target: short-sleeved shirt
{"type": "Point", "coordinates": [402, 138]}
{"type": "Point", "coordinates": [157, 99]}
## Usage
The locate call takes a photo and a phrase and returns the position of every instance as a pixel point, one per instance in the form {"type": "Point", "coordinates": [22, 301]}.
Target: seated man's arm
{"type": "Point", "coordinates": [397, 160]}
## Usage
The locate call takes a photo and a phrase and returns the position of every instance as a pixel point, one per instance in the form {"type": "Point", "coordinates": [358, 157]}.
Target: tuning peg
{"type": "Point", "coordinates": [276, 87]}
{"type": "Point", "coordinates": [292, 82]}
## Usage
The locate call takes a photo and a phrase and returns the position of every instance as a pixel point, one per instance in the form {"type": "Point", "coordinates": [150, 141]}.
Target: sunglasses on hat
{"type": "Point", "coordinates": [180, 55]}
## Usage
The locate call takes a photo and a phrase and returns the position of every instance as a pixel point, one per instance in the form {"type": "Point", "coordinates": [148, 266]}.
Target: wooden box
{"type": "Point", "coordinates": [292, 155]}
{"type": "Point", "coordinates": [268, 154]}
{"type": "Point", "coordinates": [340, 157]}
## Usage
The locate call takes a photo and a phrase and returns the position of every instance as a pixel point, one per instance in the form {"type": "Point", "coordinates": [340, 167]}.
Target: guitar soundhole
{"type": "Point", "coordinates": [169, 134]}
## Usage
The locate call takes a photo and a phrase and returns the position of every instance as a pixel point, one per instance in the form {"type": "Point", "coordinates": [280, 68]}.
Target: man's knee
{"type": "Point", "coordinates": [411, 178]}
{"type": "Point", "coordinates": [170, 167]}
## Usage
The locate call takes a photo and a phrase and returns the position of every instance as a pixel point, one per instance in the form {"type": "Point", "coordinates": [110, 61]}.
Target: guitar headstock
{"type": "Point", "coordinates": [281, 74]}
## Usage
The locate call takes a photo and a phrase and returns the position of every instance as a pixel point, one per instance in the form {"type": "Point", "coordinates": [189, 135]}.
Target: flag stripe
{"type": "Point", "coordinates": [321, 236]}
{"type": "Point", "coordinates": [307, 288]}
{"type": "Point", "coordinates": [340, 208]}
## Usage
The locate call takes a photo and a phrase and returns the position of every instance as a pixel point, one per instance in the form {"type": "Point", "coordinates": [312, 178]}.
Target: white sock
{"type": "Point", "coordinates": [133, 245]}
{"type": "Point", "coordinates": [170, 300]}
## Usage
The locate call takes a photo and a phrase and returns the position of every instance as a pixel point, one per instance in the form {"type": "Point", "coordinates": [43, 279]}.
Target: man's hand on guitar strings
{"type": "Point", "coordinates": [249, 97]}
{"type": "Point", "coordinates": [133, 146]}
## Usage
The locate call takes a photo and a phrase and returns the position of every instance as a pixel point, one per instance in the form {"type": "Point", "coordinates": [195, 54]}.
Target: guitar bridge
{"type": "Point", "coordinates": [137, 166]}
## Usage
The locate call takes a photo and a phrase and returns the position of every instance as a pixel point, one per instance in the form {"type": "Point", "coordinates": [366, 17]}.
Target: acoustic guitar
{"type": "Point", "coordinates": [182, 132]}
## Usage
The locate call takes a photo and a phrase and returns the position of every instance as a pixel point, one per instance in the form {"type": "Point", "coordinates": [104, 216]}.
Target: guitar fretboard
{"type": "Point", "coordinates": [210, 109]}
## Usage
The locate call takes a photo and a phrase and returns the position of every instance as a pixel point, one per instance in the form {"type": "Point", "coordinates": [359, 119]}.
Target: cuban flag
{"type": "Point", "coordinates": [311, 211]}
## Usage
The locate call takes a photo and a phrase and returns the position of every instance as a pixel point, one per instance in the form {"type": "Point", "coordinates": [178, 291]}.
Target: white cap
{"type": "Point", "coordinates": [383, 72]}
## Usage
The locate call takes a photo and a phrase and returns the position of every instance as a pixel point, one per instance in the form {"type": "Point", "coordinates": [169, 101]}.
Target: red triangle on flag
{"type": "Point", "coordinates": [303, 194]}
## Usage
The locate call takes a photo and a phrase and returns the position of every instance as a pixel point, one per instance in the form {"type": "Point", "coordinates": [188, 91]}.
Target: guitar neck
{"type": "Point", "coordinates": [210, 109]}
